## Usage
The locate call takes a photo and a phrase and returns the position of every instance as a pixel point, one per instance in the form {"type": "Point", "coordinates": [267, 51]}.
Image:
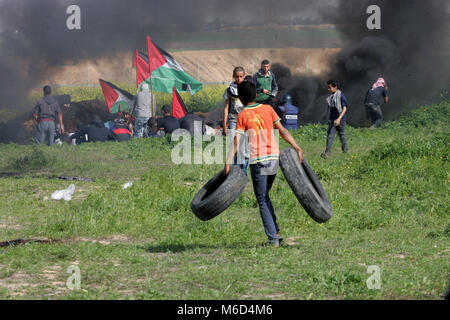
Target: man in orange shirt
{"type": "Point", "coordinates": [257, 121]}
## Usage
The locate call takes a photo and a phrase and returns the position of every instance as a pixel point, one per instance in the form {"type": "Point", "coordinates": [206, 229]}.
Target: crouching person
{"type": "Point", "coordinates": [95, 131]}
{"type": "Point", "coordinates": [257, 121]}
{"type": "Point", "coordinates": [120, 131]}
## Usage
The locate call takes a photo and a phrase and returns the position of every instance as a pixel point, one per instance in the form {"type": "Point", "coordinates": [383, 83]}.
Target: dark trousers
{"type": "Point", "coordinates": [373, 112]}
{"type": "Point", "coordinates": [332, 132]}
{"type": "Point", "coordinates": [270, 101]}
{"type": "Point", "coordinates": [262, 182]}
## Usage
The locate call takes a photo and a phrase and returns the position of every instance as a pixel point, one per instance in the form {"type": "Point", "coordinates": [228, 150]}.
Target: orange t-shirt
{"type": "Point", "coordinates": [257, 122]}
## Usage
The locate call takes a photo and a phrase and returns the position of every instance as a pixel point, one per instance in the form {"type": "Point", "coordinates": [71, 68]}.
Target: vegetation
{"type": "Point", "coordinates": [203, 101]}
{"type": "Point", "coordinates": [389, 198]}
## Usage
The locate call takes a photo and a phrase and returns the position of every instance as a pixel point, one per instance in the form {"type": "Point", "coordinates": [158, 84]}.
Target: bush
{"type": "Point", "coordinates": [210, 97]}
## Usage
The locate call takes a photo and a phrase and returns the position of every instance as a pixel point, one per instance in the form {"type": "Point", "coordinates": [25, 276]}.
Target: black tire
{"type": "Point", "coordinates": [305, 185]}
{"type": "Point", "coordinates": [219, 193]}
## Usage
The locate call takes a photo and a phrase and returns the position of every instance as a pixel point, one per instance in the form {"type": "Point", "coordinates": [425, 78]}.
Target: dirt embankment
{"type": "Point", "coordinates": [208, 66]}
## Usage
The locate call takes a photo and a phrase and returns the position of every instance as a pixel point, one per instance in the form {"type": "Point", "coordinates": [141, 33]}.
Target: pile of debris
{"type": "Point", "coordinates": [76, 114]}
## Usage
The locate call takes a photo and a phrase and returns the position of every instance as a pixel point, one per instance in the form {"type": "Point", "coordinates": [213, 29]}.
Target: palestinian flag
{"type": "Point", "coordinates": [142, 68]}
{"type": "Point", "coordinates": [166, 73]}
{"type": "Point", "coordinates": [178, 107]}
{"type": "Point", "coordinates": [116, 97]}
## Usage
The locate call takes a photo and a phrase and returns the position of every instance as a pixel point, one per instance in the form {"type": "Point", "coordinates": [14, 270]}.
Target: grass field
{"type": "Point", "coordinates": [389, 197]}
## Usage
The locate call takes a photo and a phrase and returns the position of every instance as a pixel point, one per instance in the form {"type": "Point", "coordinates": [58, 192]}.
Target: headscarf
{"type": "Point", "coordinates": [379, 83]}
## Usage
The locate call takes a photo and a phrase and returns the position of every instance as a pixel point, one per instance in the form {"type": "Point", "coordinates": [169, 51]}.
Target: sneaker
{"type": "Point", "coordinates": [275, 243]}
{"type": "Point", "coordinates": [280, 237]}
{"type": "Point", "coordinates": [325, 155]}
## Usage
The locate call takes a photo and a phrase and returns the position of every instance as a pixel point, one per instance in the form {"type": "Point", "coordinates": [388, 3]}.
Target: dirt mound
{"type": "Point", "coordinates": [23, 128]}
{"type": "Point", "coordinates": [213, 118]}
{"type": "Point", "coordinates": [76, 114]}
{"type": "Point", "coordinates": [80, 113]}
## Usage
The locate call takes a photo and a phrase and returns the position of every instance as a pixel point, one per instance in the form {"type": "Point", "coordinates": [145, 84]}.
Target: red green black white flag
{"type": "Point", "coordinates": [116, 97]}
{"type": "Point", "coordinates": [167, 73]}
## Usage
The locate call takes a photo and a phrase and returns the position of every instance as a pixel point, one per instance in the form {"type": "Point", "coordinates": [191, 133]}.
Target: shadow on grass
{"type": "Point", "coordinates": [176, 248]}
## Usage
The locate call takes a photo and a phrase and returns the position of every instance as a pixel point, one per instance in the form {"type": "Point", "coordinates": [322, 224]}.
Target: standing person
{"type": "Point", "coordinates": [45, 113]}
{"type": "Point", "coordinates": [266, 85]}
{"type": "Point", "coordinates": [142, 110]}
{"type": "Point", "coordinates": [337, 104]}
{"type": "Point", "coordinates": [372, 102]}
{"type": "Point", "coordinates": [233, 106]}
{"type": "Point", "coordinates": [258, 121]}
{"type": "Point", "coordinates": [167, 123]}
{"type": "Point", "coordinates": [290, 113]}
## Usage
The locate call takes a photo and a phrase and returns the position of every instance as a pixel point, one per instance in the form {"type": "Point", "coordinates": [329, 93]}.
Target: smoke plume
{"type": "Point", "coordinates": [411, 51]}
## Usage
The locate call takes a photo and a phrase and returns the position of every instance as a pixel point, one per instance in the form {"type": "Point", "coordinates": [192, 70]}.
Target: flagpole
{"type": "Point", "coordinates": [153, 98]}
{"type": "Point", "coordinates": [151, 78]}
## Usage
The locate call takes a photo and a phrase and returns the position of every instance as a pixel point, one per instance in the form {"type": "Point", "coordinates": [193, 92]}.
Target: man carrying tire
{"type": "Point", "coordinates": [257, 122]}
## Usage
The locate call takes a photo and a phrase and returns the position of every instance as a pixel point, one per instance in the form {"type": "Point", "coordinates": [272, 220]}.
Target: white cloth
{"type": "Point", "coordinates": [334, 101]}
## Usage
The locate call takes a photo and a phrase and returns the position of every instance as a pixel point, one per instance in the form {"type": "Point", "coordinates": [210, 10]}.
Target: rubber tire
{"type": "Point", "coordinates": [305, 185]}
{"type": "Point", "coordinates": [219, 193]}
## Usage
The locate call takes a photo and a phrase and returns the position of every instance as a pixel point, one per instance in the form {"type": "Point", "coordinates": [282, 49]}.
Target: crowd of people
{"type": "Point", "coordinates": [141, 121]}
{"type": "Point", "coordinates": [250, 111]}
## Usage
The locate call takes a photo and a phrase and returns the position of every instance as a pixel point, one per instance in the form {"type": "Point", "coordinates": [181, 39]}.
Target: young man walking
{"type": "Point", "coordinates": [337, 104]}
{"type": "Point", "coordinates": [257, 122]}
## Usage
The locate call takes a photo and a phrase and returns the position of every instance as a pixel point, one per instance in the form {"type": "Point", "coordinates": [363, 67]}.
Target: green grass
{"type": "Point", "coordinates": [389, 198]}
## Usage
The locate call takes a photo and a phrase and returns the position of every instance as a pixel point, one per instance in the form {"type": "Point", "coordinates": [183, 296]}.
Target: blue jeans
{"type": "Point", "coordinates": [140, 125]}
{"type": "Point", "coordinates": [262, 182]}
{"type": "Point", "coordinates": [244, 160]}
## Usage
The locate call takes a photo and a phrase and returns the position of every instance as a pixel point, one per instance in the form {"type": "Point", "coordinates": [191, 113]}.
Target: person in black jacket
{"type": "Point", "coordinates": [168, 123]}
{"type": "Point", "coordinates": [372, 102]}
{"type": "Point", "coordinates": [95, 131]}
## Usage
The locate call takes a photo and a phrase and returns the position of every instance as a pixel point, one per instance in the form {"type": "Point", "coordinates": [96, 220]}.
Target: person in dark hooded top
{"type": "Point", "coordinates": [45, 113]}
{"type": "Point", "coordinates": [95, 131]}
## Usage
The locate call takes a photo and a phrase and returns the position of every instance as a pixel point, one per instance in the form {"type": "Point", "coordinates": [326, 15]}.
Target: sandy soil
{"type": "Point", "coordinates": [205, 65]}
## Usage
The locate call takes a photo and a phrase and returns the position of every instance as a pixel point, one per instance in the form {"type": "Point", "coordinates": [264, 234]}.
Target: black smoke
{"type": "Point", "coordinates": [33, 33]}
{"type": "Point", "coordinates": [411, 51]}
